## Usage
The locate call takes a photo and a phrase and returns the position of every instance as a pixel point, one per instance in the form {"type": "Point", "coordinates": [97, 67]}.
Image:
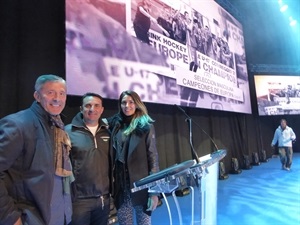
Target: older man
{"type": "Point", "coordinates": [284, 135]}
{"type": "Point", "coordinates": [35, 168]}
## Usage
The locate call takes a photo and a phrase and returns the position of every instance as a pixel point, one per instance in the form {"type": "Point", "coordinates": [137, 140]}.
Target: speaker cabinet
{"type": "Point", "coordinates": [222, 171]}
{"type": "Point", "coordinates": [263, 156]}
{"type": "Point", "coordinates": [235, 166]}
{"type": "Point", "coordinates": [247, 164]}
{"type": "Point", "coordinates": [255, 159]}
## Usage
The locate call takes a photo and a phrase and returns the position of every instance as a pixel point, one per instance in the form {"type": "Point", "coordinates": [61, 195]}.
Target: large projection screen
{"type": "Point", "coordinates": [277, 94]}
{"type": "Point", "coordinates": [190, 53]}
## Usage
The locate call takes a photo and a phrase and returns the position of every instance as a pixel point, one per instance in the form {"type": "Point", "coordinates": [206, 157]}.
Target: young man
{"type": "Point", "coordinates": [35, 172]}
{"type": "Point", "coordinates": [91, 163]}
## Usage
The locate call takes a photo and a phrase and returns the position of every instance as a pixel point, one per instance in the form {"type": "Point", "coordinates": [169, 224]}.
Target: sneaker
{"type": "Point", "coordinates": [286, 168]}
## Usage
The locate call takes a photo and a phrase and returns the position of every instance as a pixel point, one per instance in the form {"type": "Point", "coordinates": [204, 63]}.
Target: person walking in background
{"type": "Point", "coordinates": [284, 136]}
{"type": "Point", "coordinates": [90, 136]}
{"type": "Point", "coordinates": [135, 156]}
{"type": "Point", "coordinates": [35, 170]}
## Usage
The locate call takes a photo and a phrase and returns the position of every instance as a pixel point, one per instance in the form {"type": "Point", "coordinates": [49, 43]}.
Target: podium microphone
{"type": "Point", "coordinates": [182, 110]}
{"type": "Point", "coordinates": [189, 118]}
{"type": "Point", "coordinates": [212, 140]}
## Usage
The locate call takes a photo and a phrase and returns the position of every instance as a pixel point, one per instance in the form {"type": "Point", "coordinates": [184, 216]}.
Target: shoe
{"type": "Point", "coordinates": [286, 168]}
{"type": "Point", "coordinates": [283, 168]}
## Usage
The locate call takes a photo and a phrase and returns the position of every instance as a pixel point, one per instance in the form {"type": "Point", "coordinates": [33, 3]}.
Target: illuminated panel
{"type": "Point", "coordinates": [189, 53]}
{"type": "Point", "coordinates": [277, 94]}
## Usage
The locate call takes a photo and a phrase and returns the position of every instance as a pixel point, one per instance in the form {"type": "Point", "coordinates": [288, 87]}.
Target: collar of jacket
{"type": "Point", "coordinates": [40, 112]}
{"type": "Point", "coordinates": [77, 121]}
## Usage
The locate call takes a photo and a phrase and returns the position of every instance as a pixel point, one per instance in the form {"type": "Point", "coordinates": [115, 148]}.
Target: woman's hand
{"type": "Point", "coordinates": [18, 222]}
{"type": "Point", "coordinates": [152, 203]}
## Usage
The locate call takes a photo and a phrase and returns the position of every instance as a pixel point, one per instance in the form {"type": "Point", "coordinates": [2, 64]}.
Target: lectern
{"type": "Point", "coordinates": [165, 181]}
{"type": "Point", "coordinates": [206, 175]}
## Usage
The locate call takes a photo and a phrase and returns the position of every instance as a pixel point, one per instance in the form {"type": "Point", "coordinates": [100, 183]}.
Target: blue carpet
{"type": "Point", "coordinates": [263, 195]}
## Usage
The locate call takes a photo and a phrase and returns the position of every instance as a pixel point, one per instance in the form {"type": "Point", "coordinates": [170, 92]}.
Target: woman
{"type": "Point", "coordinates": [135, 157]}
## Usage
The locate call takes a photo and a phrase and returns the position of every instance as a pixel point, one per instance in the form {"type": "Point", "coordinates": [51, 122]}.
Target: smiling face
{"type": "Point", "coordinates": [128, 105]}
{"type": "Point", "coordinates": [91, 110]}
{"type": "Point", "coordinates": [52, 97]}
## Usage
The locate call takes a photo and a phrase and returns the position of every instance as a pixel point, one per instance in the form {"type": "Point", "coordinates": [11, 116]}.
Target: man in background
{"type": "Point", "coordinates": [284, 136]}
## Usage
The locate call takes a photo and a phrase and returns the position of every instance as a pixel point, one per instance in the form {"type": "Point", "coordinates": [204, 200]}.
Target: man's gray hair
{"type": "Point", "coordinates": [47, 78]}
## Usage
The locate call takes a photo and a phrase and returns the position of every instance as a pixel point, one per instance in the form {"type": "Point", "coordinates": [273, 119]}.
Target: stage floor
{"type": "Point", "coordinates": [263, 195]}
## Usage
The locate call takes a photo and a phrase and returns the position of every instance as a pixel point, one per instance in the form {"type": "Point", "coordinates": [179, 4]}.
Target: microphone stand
{"type": "Point", "coordinates": [194, 153]}
{"type": "Point", "coordinates": [212, 141]}
{"type": "Point", "coordinates": [189, 120]}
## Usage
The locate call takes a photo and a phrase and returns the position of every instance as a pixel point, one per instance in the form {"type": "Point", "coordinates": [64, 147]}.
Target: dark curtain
{"type": "Point", "coordinates": [33, 43]}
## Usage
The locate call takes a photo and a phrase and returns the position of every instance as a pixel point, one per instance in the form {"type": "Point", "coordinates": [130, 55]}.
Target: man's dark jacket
{"type": "Point", "coordinates": [90, 159]}
{"type": "Point", "coordinates": [26, 166]}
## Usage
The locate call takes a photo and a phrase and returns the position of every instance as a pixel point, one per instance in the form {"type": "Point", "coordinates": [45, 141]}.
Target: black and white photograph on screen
{"type": "Point", "coordinates": [277, 95]}
{"type": "Point", "coordinates": [204, 45]}
{"type": "Point", "coordinates": [101, 55]}
{"type": "Point", "coordinates": [189, 53]}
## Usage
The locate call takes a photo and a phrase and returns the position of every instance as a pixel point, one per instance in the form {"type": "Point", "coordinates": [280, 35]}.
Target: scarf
{"type": "Point", "coordinates": [63, 166]}
{"type": "Point", "coordinates": [127, 119]}
{"type": "Point", "coordinates": [62, 148]}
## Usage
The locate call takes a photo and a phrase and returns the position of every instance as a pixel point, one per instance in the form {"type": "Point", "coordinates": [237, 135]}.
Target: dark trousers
{"type": "Point", "coordinates": [141, 33]}
{"type": "Point", "coordinates": [91, 211]}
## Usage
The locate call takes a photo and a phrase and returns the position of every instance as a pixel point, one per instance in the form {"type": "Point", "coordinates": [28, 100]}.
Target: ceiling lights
{"type": "Point", "coordinates": [283, 7]}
